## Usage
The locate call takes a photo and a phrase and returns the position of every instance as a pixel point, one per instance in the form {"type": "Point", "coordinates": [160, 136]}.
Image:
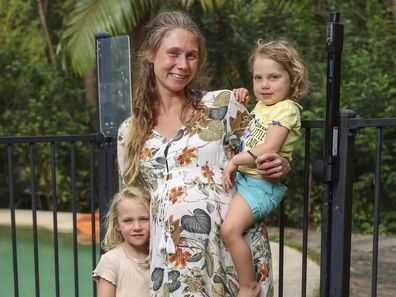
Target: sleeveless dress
{"type": "Point", "coordinates": [188, 203]}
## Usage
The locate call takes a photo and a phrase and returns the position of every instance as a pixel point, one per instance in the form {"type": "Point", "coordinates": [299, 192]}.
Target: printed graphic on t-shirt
{"type": "Point", "coordinates": [254, 135]}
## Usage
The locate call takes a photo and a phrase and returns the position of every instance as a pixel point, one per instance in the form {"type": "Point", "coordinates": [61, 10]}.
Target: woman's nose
{"type": "Point", "coordinates": [182, 62]}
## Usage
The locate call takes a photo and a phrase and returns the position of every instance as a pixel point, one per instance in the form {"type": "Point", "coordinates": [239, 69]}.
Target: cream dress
{"type": "Point", "coordinates": [188, 203]}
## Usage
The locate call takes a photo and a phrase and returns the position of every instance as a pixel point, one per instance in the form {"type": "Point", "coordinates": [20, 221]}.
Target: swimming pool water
{"type": "Point", "coordinates": [46, 265]}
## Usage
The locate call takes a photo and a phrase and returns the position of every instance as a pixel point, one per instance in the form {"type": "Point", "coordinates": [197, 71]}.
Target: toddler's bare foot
{"type": "Point", "coordinates": [251, 291]}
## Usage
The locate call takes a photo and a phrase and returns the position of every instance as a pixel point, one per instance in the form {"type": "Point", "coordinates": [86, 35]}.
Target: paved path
{"type": "Point", "coordinates": [24, 219]}
{"type": "Point", "coordinates": [361, 261]}
{"type": "Point", "coordinates": [293, 271]}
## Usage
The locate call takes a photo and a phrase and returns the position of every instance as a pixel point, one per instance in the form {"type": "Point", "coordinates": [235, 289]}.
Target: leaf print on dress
{"type": "Point", "coordinates": [222, 99]}
{"type": "Point", "coordinates": [240, 122]}
{"type": "Point", "coordinates": [218, 113]}
{"type": "Point", "coordinates": [214, 131]}
{"type": "Point", "coordinates": [199, 222]}
{"type": "Point", "coordinates": [174, 282]}
{"type": "Point", "coordinates": [157, 277]}
{"type": "Point", "coordinates": [209, 263]}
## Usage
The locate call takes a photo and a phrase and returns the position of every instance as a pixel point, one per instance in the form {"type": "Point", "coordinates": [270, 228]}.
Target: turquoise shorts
{"type": "Point", "coordinates": [262, 196]}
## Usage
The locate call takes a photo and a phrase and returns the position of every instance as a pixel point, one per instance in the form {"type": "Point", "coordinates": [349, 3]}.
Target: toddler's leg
{"type": "Point", "coordinates": [239, 217]}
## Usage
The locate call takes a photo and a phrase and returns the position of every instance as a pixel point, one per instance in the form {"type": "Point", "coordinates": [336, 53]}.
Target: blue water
{"type": "Point", "coordinates": [46, 265]}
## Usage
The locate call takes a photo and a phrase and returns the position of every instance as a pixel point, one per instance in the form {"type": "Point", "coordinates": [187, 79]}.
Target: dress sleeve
{"type": "Point", "coordinates": [122, 133]}
{"type": "Point", "coordinates": [237, 119]}
{"type": "Point", "coordinates": [106, 269]}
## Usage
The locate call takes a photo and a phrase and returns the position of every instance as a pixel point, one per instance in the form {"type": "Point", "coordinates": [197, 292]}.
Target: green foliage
{"type": "Point", "coordinates": [367, 76]}
{"type": "Point", "coordinates": [36, 100]}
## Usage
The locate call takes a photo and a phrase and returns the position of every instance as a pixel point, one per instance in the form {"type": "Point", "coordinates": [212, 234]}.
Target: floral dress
{"type": "Point", "coordinates": [188, 203]}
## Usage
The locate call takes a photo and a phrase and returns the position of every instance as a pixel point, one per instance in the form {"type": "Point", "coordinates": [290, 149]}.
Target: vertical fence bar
{"type": "Point", "coordinates": [55, 219]}
{"type": "Point", "coordinates": [13, 225]}
{"type": "Point", "coordinates": [92, 200]}
{"type": "Point", "coordinates": [305, 211]}
{"type": "Point", "coordinates": [109, 169]}
{"type": "Point", "coordinates": [378, 158]}
{"type": "Point", "coordinates": [101, 184]}
{"type": "Point", "coordinates": [281, 245]}
{"type": "Point", "coordinates": [74, 210]}
{"type": "Point", "coordinates": [34, 217]}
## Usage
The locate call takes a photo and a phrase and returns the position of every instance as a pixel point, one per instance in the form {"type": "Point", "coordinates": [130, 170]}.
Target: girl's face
{"type": "Point", "coordinates": [134, 223]}
{"type": "Point", "coordinates": [271, 82]}
{"type": "Point", "coordinates": [175, 62]}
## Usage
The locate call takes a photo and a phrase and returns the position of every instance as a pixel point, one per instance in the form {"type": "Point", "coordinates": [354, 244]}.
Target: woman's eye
{"type": "Point", "coordinates": [192, 56]}
{"type": "Point", "coordinates": [275, 77]}
{"type": "Point", "coordinates": [257, 78]}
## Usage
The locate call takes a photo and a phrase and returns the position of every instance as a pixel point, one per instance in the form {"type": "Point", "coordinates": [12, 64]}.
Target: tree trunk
{"type": "Point", "coordinates": [91, 94]}
{"type": "Point", "coordinates": [46, 33]}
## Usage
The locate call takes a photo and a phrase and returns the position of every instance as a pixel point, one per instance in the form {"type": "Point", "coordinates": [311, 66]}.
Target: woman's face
{"type": "Point", "coordinates": [175, 62]}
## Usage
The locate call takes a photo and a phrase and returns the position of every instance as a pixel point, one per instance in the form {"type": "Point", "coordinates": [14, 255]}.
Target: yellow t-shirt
{"type": "Point", "coordinates": [285, 113]}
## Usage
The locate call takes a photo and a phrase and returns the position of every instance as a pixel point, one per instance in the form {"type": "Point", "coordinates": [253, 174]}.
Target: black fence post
{"type": "Point", "coordinates": [326, 170]}
{"type": "Point", "coordinates": [342, 211]}
{"type": "Point", "coordinates": [105, 164]}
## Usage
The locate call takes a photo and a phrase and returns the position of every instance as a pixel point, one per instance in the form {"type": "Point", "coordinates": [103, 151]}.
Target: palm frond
{"type": "Point", "coordinates": [77, 45]}
{"type": "Point", "coordinates": [207, 5]}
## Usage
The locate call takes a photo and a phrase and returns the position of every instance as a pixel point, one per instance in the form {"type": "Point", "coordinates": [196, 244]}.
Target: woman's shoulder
{"type": "Point", "coordinates": [220, 98]}
{"type": "Point", "coordinates": [217, 98]}
{"type": "Point", "coordinates": [123, 130]}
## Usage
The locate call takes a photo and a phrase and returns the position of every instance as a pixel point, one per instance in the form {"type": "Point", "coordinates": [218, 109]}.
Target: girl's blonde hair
{"type": "Point", "coordinates": [113, 237]}
{"type": "Point", "coordinates": [285, 54]}
{"type": "Point", "coordinates": [146, 99]}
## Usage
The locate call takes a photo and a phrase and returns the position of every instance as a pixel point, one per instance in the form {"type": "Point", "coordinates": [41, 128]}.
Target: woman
{"type": "Point", "coordinates": [176, 145]}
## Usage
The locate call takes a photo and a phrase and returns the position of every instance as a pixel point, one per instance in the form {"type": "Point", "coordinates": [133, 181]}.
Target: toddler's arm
{"type": "Point", "coordinates": [241, 95]}
{"type": "Point", "coordinates": [276, 136]}
{"type": "Point", "coordinates": [274, 139]}
{"type": "Point", "coordinates": [106, 289]}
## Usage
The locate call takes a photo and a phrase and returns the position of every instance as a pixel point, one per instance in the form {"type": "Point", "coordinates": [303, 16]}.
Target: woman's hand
{"type": "Point", "coordinates": [272, 167]}
{"type": "Point", "coordinates": [241, 95]}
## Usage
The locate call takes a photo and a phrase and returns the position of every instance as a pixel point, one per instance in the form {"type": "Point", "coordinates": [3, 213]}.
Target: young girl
{"type": "Point", "coordinates": [123, 271]}
{"type": "Point", "coordinates": [279, 80]}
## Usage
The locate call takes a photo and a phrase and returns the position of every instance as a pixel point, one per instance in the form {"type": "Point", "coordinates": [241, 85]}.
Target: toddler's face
{"type": "Point", "coordinates": [271, 81]}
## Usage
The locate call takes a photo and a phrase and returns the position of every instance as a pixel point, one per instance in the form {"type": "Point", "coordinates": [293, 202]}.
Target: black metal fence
{"type": "Point", "coordinates": [98, 187]}
{"type": "Point", "coordinates": [336, 246]}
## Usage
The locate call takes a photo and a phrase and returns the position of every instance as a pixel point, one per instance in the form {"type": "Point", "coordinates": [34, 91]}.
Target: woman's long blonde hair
{"type": "Point", "coordinates": [283, 52]}
{"type": "Point", "coordinates": [146, 99]}
{"type": "Point", "coordinates": [113, 238]}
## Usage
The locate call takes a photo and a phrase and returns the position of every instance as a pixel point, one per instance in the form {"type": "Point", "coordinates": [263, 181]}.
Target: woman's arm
{"type": "Point", "coordinates": [106, 289]}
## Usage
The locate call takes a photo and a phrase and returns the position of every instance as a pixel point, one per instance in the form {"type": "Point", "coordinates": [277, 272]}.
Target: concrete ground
{"type": "Point", "coordinates": [292, 272]}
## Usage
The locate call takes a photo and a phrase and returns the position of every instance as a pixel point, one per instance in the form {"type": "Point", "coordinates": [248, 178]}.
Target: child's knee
{"type": "Point", "coordinates": [226, 231]}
